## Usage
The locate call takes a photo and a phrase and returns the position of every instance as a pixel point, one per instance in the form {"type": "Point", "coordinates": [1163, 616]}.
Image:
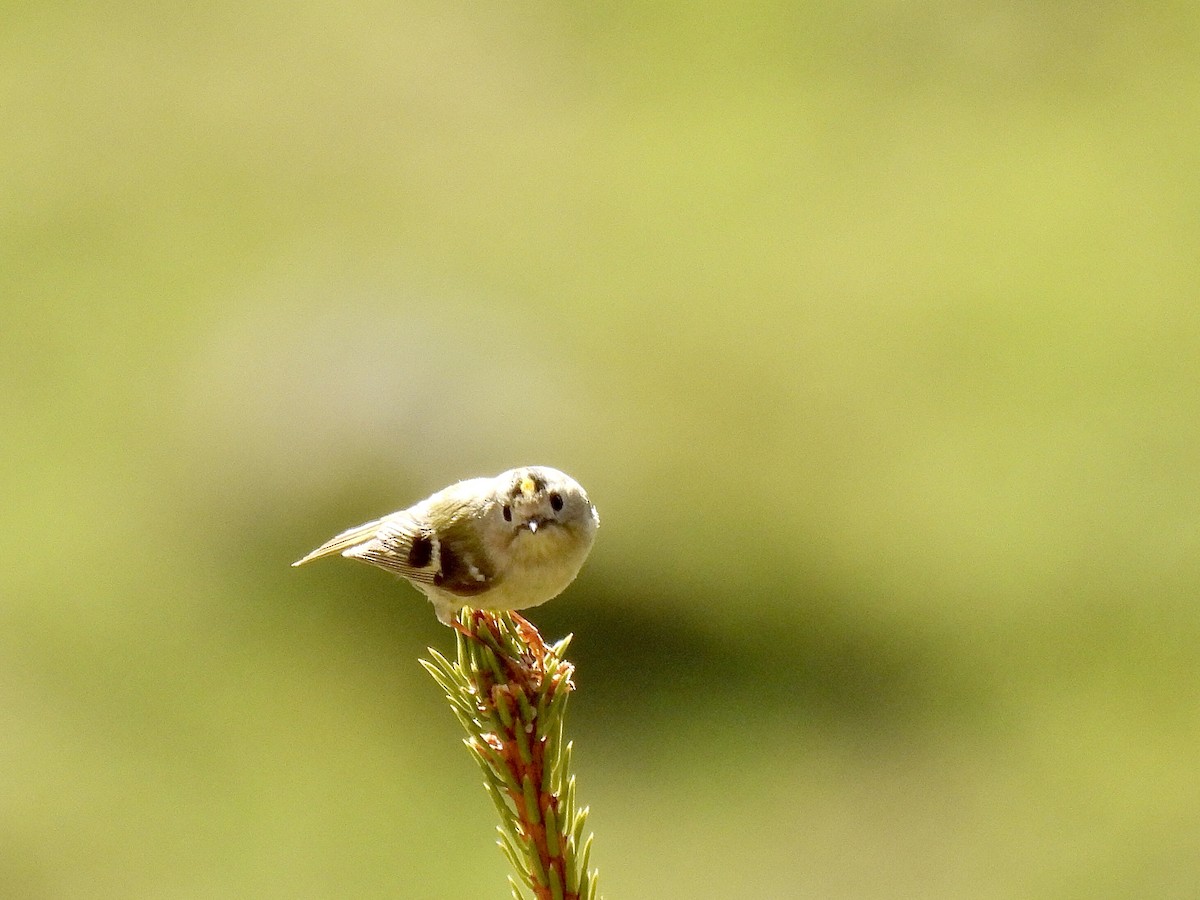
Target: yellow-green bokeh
{"type": "Point", "coordinates": [872, 330]}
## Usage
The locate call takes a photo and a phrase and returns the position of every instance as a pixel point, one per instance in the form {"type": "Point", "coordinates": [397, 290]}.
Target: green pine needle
{"type": "Point", "coordinates": [509, 691]}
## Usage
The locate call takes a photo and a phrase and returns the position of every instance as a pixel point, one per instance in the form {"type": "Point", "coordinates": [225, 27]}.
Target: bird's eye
{"type": "Point", "coordinates": [507, 513]}
{"type": "Point", "coordinates": [556, 501]}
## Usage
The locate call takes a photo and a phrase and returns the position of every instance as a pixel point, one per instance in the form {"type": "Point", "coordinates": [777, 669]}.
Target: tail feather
{"type": "Point", "coordinates": [352, 537]}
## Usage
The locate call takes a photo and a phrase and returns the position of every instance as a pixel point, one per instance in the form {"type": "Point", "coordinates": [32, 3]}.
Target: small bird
{"type": "Point", "coordinates": [503, 543]}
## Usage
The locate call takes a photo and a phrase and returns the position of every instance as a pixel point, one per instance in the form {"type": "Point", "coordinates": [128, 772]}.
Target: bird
{"type": "Point", "coordinates": [507, 542]}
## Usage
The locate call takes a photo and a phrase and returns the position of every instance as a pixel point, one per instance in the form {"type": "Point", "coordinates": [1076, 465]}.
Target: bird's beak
{"type": "Point", "coordinates": [533, 526]}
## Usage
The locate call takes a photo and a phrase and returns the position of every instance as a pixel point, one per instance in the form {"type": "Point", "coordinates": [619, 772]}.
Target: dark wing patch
{"type": "Point", "coordinates": [452, 560]}
{"type": "Point", "coordinates": [400, 544]}
{"type": "Point", "coordinates": [464, 568]}
{"type": "Point", "coordinates": [420, 554]}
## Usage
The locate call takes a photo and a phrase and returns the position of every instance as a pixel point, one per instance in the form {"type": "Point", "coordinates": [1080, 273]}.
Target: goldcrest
{"type": "Point", "coordinates": [509, 542]}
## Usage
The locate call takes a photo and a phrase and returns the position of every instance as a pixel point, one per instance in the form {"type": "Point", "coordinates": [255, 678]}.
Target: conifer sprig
{"type": "Point", "coordinates": [509, 690]}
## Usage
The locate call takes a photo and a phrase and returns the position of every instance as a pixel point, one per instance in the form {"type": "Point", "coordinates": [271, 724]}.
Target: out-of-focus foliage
{"type": "Point", "coordinates": [872, 331]}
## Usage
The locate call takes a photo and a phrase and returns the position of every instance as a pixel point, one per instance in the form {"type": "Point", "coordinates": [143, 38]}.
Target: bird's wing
{"type": "Point", "coordinates": [400, 543]}
{"type": "Point", "coordinates": [464, 567]}
{"type": "Point", "coordinates": [451, 560]}
{"type": "Point", "coordinates": [351, 537]}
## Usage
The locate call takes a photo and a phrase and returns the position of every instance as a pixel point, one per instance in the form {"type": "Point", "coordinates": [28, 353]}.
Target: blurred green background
{"type": "Point", "coordinates": [873, 331]}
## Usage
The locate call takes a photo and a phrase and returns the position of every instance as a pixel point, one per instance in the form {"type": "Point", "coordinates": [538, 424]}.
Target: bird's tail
{"type": "Point", "coordinates": [352, 537]}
